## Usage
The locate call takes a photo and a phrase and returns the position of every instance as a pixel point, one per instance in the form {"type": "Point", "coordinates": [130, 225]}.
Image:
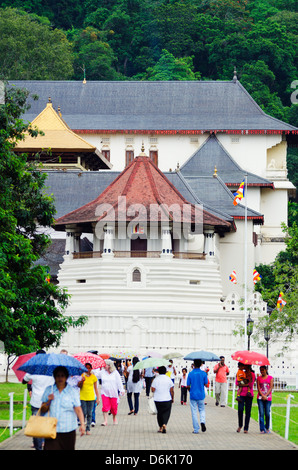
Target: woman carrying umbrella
{"type": "Point", "coordinates": [245, 400]}
{"type": "Point", "coordinates": [64, 404]}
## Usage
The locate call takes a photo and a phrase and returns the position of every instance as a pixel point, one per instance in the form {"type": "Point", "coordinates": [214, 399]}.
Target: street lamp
{"type": "Point", "coordinates": [249, 327]}
{"type": "Point", "coordinates": [267, 338]}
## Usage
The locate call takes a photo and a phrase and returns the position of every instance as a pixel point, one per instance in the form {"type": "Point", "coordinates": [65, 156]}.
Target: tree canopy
{"type": "Point", "coordinates": [126, 39]}
{"type": "Point", "coordinates": [31, 308]}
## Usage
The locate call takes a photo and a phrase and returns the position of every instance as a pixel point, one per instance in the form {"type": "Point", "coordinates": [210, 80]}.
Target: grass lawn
{"type": "Point", "coordinates": [279, 413]}
{"type": "Point", "coordinates": [5, 389]}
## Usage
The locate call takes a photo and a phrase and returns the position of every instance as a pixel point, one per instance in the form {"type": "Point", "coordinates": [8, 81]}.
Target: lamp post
{"type": "Point", "coordinates": [249, 327]}
{"type": "Point", "coordinates": [267, 338]}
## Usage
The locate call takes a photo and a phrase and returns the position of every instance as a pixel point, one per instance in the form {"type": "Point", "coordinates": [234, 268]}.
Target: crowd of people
{"type": "Point", "coordinates": [73, 400]}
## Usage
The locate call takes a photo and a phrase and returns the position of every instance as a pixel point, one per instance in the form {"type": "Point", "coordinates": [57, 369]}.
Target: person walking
{"type": "Point", "coordinates": [221, 383]}
{"type": "Point", "coordinates": [183, 386]}
{"type": "Point", "coordinates": [88, 392]}
{"type": "Point", "coordinates": [197, 380]}
{"type": "Point", "coordinates": [163, 394]}
{"type": "Point", "coordinates": [134, 386]}
{"type": "Point", "coordinates": [171, 371]}
{"type": "Point", "coordinates": [63, 403]}
{"type": "Point", "coordinates": [246, 398]}
{"type": "Point", "coordinates": [264, 399]}
{"type": "Point", "coordinates": [148, 376]}
{"type": "Point", "coordinates": [111, 388]}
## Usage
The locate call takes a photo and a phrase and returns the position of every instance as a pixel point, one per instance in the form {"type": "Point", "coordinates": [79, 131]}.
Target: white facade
{"type": "Point", "coordinates": [180, 304]}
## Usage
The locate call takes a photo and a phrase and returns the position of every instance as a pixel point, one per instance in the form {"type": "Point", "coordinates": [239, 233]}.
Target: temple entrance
{"type": "Point", "coordinates": [138, 244]}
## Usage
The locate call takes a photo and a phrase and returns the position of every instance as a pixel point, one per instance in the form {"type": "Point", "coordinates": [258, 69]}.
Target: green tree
{"type": "Point", "coordinates": [281, 276]}
{"type": "Point", "coordinates": [259, 80]}
{"type": "Point", "coordinates": [92, 53]}
{"type": "Point", "coordinates": [169, 67]}
{"type": "Point", "coordinates": [30, 50]}
{"type": "Point", "coordinates": [31, 308]}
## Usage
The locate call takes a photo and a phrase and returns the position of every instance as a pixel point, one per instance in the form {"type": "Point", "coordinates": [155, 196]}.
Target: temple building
{"type": "Point", "coordinates": [148, 234]}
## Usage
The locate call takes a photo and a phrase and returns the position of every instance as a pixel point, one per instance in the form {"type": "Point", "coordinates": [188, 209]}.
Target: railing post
{"type": "Point", "coordinates": [11, 413]}
{"type": "Point", "coordinates": [233, 395]}
{"type": "Point", "coordinates": [288, 415]}
{"type": "Point", "coordinates": [24, 408]}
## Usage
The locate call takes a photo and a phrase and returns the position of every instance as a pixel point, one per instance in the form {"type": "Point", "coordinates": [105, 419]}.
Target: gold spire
{"type": "Point", "coordinates": [142, 154]}
{"type": "Point", "coordinates": [215, 172]}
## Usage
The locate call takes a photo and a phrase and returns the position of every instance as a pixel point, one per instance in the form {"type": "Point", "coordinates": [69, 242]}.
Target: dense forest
{"type": "Point", "coordinates": [158, 40]}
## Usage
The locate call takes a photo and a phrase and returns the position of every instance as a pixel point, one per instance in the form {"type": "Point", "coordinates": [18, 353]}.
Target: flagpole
{"type": "Point", "coordinates": [245, 265]}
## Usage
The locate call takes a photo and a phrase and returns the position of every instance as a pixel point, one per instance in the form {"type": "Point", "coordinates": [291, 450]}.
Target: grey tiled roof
{"type": "Point", "coordinates": [160, 105]}
{"type": "Point", "coordinates": [73, 189]}
{"type": "Point", "coordinates": [214, 191]}
{"type": "Point", "coordinates": [212, 154]}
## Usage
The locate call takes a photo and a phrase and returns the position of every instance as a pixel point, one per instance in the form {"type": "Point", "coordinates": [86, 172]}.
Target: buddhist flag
{"type": "Point", "coordinates": [256, 276]}
{"type": "Point", "coordinates": [281, 301]}
{"type": "Point", "coordinates": [239, 194]}
{"type": "Point", "coordinates": [137, 229]}
{"type": "Point", "coordinates": [233, 278]}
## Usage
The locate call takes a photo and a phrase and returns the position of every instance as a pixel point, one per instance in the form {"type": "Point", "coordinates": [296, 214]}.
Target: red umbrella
{"type": "Point", "coordinates": [105, 356]}
{"type": "Point", "coordinates": [251, 357]}
{"type": "Point", "coordinates": [19, 362]}
{"type": "Point", "coordinates": [93, 359]}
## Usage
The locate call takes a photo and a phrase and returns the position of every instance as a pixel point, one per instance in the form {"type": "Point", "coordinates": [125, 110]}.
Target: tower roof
{"type": "Point", "coordinates": [141, 191]}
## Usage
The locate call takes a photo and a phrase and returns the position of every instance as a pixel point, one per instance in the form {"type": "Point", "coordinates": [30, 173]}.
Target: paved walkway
{"type": "Point", "coordinates": [140, 433]}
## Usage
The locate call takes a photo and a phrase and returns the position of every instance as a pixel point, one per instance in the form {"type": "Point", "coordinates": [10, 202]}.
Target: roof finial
{"type": "Point", "coordinates": [235, 75]}
{"type": "Point", "coordinates": [178, 167]}
{"type": "Point", "coordinates": [50, 99]}
{"type": "Point", "coordinates": [59, 111]}
{"type": "Point", "coordinates": [143, 154]}
{"type": "Point", "coordinates": [215, 172]}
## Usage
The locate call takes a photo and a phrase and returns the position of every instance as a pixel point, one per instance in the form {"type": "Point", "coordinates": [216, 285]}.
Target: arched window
{"type": "Point", "coordinates": [136, 275]}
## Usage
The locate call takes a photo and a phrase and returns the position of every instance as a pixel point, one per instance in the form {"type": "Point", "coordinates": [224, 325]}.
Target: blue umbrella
{"type": "Point", "coordinates": [203, 355]}
{"type": "Point", "coordinates": [44, 364]}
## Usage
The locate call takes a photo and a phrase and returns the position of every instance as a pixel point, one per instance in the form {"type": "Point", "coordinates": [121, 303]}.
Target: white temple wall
{"type": "Point", "coordinates": [249, 151]}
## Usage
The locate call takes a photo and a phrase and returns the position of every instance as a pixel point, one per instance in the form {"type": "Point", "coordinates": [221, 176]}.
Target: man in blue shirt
{"type": "Point", "coordinates": [196, 382]}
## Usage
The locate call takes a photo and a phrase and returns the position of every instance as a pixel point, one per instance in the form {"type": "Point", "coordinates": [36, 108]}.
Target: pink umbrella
{"type": "Point", "coordinates": [96, 361]}
{"type": "Point", "coordinates": [19, 362]}
{"type": "Point", "coordinates": [251, 357]}
{"type": "Point", "coordinates": [154, 354]}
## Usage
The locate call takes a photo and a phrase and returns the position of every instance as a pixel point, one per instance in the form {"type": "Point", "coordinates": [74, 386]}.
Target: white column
{"type": "Point", "coordinates": [96, 240]}
{"type": "Point", "coordinates": [70, 241]}
{"type": "Point", "coordinates": [108, 243]}
{"type": "Point", "coordinates": [209, 243]}
{"type": "Point", "coordinates": [166, 241]}
{"type": "Point", "coordinates": [77, 239]}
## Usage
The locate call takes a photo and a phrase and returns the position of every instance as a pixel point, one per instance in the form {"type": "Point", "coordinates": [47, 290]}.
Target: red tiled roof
{"type": "Point", "coordinates": [141, 192]}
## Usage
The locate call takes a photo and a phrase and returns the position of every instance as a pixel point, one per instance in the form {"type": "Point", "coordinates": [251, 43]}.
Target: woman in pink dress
{"type": "Point", "coordinates": [264, 398]}
{"type": "Point", "coordinates": [245, 400]}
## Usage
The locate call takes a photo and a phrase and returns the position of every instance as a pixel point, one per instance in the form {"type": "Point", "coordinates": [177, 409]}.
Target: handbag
{"type": "Point", "coordinates": [41, 426]}
{"type": "Point", "coordinates": [151, 406]}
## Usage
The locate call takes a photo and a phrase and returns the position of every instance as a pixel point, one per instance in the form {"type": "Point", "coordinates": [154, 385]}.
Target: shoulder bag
{"type": "Point", "coordinates": [41, 426]}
